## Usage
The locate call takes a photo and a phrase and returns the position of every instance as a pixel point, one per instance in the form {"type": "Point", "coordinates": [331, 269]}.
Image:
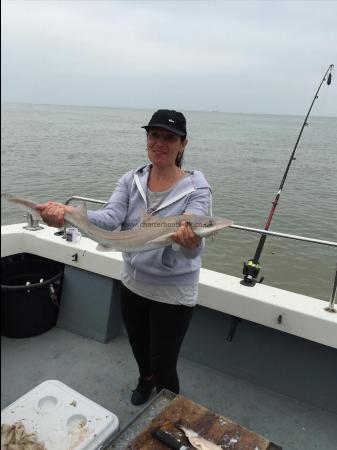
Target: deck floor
{"type": "Point", "coordinates": [106, 373]}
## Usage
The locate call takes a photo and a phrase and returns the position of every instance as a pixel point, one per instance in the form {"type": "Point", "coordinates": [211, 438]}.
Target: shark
{"type": "Point", "coordinates": [152, 232]}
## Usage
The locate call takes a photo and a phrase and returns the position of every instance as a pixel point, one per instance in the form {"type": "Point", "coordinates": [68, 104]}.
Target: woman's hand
{"type": "Point", "coordinates": [53, 213]}
{"type": "Point", "coordinates": [186, 237]}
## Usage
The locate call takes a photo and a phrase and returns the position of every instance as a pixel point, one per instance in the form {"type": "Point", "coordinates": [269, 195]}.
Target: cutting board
{"type": "Point", "coordinates": [211, 426]}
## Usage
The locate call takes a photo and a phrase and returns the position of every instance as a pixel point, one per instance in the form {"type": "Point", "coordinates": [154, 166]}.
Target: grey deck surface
{"type": "Point", "coordinates": [106, 373]}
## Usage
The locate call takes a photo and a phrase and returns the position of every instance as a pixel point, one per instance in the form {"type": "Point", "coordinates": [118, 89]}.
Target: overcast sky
{"type": "Point", "coordinates": [234, 56]}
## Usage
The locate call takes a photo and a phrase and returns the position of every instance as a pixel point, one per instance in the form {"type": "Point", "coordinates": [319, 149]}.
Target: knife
{"type": "Point", "coordinates": [168, 440]}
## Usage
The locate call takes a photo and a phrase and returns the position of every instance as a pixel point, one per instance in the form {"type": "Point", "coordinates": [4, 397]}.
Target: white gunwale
{"type": "Point", "coordinates": [301, 315]}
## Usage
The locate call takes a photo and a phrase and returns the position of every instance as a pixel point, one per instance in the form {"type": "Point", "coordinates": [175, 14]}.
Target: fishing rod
{"type": "Point", "coordinates": [251, 268]}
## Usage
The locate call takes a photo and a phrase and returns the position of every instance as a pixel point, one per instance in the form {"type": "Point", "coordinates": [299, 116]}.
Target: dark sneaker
{"type": "Point", "coordinates": [143, 391]}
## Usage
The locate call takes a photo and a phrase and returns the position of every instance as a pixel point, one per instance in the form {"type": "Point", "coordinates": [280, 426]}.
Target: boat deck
{"type": "Point", "coordinates": [106, 373]}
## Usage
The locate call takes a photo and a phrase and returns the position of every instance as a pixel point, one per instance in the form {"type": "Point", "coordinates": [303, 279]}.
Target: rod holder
{"type": "Point", "coordinates": [32, 224]}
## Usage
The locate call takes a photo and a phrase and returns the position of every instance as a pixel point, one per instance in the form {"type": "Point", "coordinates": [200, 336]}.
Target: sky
{"type": "Point", "coordinates": [263, 56]}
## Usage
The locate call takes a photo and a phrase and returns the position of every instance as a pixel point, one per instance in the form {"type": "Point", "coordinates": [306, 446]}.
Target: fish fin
{"type": "Point", "coordinates": [82, 209]}
{"type": "Point", "coordinates": [78, 213]}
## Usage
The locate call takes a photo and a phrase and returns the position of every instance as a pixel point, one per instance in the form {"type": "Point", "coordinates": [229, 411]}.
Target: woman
{"type": "Point", "coordinates": [159, 287]}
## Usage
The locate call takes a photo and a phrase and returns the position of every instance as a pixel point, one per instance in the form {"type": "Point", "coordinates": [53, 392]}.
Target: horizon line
{"type": "Point", "coordinates": [155, 108]}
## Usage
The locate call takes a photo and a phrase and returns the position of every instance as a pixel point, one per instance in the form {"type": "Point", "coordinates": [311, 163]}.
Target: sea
{"type": "Point", "coordinates": [52, 152]}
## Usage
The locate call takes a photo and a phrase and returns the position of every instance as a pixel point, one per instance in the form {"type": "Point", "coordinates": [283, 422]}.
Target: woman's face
{"type": "Point", "coordinates": [163, 146]}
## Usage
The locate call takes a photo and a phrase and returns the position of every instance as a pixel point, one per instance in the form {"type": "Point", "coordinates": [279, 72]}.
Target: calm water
{"type": "Point", "coordinates": [53, 152]}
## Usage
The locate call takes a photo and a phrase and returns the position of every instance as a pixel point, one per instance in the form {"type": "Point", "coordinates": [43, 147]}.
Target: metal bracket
{"type": "Point", "coordinates": [33, 224]}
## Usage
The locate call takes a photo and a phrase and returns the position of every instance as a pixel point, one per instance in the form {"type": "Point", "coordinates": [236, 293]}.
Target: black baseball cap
{"type": "Point", "coordinates": [169, 120]}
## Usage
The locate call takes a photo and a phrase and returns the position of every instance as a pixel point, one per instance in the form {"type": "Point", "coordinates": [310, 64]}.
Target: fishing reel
{"type": "Point", "coordinates": [251, 271]}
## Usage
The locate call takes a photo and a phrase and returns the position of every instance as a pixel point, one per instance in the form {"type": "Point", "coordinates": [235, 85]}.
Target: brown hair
{"type": "Point", "coordinates": [180, 157]}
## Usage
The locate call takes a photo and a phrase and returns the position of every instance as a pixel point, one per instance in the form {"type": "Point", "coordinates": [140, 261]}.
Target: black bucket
{"type": "Point", "coordinates": [30, 293]}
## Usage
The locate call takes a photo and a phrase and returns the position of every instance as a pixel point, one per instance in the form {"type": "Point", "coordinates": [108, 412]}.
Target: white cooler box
{"type": "Point", "coordinates": [62, 418]}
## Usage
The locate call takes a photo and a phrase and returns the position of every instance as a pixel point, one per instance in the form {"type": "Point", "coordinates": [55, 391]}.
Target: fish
{"type": "Point", "coordinates": [152, 232]}
{"type": "Point", "coordinates": [198, 442]}
{"type": "Point", "coordinates": [166, 434]}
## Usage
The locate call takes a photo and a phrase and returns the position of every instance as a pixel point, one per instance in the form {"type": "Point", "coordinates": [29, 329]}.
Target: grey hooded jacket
{"type": "Point", "coordinates": [164, 266]}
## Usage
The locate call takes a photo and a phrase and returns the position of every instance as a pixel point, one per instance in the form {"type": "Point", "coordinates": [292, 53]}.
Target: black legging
{"type": "Point", "coordinates": [156, 331]}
